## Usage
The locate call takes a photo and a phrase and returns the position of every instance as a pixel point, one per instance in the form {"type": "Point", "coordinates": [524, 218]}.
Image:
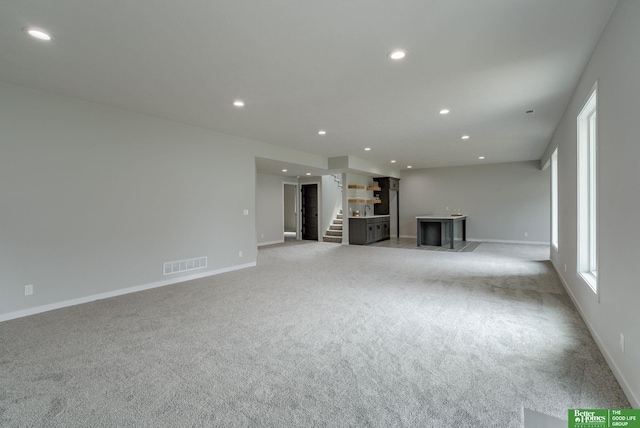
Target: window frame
{"type": "Point", "coordinates": [554, 200]}
{"type": "Point", "coordinates": [587, 142]}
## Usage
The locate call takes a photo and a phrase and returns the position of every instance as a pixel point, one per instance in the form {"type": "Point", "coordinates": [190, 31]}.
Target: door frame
{"type": "Point", "coordinates": [319, 197]}
{"type": "Point", "coordinates": [297, 207]}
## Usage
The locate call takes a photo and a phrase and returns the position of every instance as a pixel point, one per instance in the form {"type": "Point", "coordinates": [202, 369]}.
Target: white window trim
{"type": "Point", "coordinates": [554, 199]}
{"type": "Point", "coordinates": [587, 142]}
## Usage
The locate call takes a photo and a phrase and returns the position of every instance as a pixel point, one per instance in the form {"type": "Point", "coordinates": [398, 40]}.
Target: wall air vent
{"type": "Point", "coordinates": [169, 268]}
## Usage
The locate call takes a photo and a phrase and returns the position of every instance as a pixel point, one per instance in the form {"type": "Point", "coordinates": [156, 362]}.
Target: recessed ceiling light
{"type": "Point", "coordinates": [444, 111]}
{"type": "Point", "coordinates": [397, 54]}
{"type": "Point", "coordinates": [409, 166]}
{"type": "Point", "coordinates": [393, 161]}
{"type": "Point", "coordinates": [308, 173]}
{"type": "Point", "coordinates": [284, 170]}
{"type": "Point", "coordinates": [322, 132]}
{"type": "Point", "coordinates": [238, 103]}
{"type": "Point", "coordinates": [465, 137]}
{"type": "Point", "coordinates": [38, 34]}
{"type": "Point", "coordinates": [367, 149]}
{"type": "Point", "coordinates": [480, 157]}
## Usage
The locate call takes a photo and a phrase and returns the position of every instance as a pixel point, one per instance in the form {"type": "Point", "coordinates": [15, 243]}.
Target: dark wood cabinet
{"type": "Point", "coordinates": [365, 230]}
{"type": "Point", "coordinates": [394, 184]}
{"type": "Point", "coordinates": [387, 185]}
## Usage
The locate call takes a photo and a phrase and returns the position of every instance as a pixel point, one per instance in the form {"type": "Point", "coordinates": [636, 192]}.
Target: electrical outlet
{"type": "Point", "coordinates": [526, 234]}
{"type": "Point", "coordinates": [28, 290]}
{"type": "Point", "coordinates": [240, 253]}
{"type": "Point", "coordinates": [245, 212]}
{"type": "Point", "coordinates": [622, 342]}
{"type": "Point", "coordinates": [262, 235]}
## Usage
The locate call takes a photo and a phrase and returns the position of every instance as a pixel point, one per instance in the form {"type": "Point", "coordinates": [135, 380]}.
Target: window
{"type": "Point", "coordinates": [587, 183]}
{"type": "Point", "coordinates": [554, 199]}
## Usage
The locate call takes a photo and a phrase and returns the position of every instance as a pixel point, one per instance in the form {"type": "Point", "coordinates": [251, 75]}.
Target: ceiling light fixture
{"type": "Point", "coordinates": [38, 34]}
{"type": "Point", "coordinates": [238, 103]}
{"type": "Point", "coordinates": [444, 111]}
{"type": "Point", "coordinates": [284, 170]}
{"type": "Point", "coordinates": [409, 167]}
{"type": "Point", "coordinates": [393, 161]}
{"type": "Point", "coordinates": [481, 157]}
{"type": "Point", "coordinates": [322, 132]}
{"type": "Point", "coordinates": [397, 54]}
{"type": "Point", "coordinates": [308, 173]}
{"type": "Point", "coordinates": [465, 137]}
{"type": "Point", "coordinates": [367, 149]}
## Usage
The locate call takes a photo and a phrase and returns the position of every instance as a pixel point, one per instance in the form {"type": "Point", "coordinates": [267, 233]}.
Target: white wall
{"type": "Point", "coordinates": [95, 199]}
{"type": "Point", "coordinates": [503, 201]}
{"type": "Point", "coordinates": [615, 65]}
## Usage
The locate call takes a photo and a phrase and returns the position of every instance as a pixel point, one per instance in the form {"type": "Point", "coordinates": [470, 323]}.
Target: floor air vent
{"type": "Point", "coordinates": [184, 265]}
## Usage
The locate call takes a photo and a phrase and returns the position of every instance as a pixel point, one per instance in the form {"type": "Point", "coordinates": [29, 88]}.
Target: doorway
{"type": "Point", "coordinates": [290, 211]}
{"type": "Point", "coordinates": [309, 212]}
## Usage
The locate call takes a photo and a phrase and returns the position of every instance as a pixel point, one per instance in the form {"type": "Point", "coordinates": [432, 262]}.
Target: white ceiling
{"type": "Point", "coordinates": [303, 65]}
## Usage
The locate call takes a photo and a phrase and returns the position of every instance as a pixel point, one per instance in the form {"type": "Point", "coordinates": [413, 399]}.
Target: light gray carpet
{"type": "Point", "coordinates": [410, 244]}
{"type": "Point", "coordinates": [317, 334]}
{"type": "Point", "coordinates": [533, 419]}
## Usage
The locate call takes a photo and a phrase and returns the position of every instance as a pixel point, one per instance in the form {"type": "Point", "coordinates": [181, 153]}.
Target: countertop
{"type": "Point", "coordinates": [441, 217]}
{"type": "Point", "coordinates": [369, 216]}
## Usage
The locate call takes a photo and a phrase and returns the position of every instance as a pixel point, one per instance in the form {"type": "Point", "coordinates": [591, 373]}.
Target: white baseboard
{"type": "Point", "coordinates": [633, 399]}
{"type": "Point", "coordinates": [508, 241]}
{"type": "Point", "coordinates": [280, 241]}
{"type": "Point", "coordinates": [498, 241]}
{"type": "Point", "coordinates": [106, 295]}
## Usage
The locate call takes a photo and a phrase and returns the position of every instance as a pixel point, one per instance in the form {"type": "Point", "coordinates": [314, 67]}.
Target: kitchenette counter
{"type": "Point", "coordinates": [364, 230]}
{"type": "Point", "coordinates": [439, 229]}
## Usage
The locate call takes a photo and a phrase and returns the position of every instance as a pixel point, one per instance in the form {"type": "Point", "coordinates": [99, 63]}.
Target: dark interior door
{"type": "Point", "coordinates": [310, 212]}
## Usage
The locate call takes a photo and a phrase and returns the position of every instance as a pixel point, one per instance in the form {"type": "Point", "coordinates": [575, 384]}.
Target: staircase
{"type": "Point", "coordinates": [334, 234]}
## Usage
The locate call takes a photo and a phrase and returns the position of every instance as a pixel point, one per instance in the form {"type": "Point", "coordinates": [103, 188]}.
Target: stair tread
{"type": "Point", "coordinates": [334, 234]}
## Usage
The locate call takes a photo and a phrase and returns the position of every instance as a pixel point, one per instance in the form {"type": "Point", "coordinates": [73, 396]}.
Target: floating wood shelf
{"type": "Point", "coordinates": [365, 201]}
{"type": "Point", "coordinates": [355, 186]}
{"type": "Point", "coordinates": [374, 188]}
